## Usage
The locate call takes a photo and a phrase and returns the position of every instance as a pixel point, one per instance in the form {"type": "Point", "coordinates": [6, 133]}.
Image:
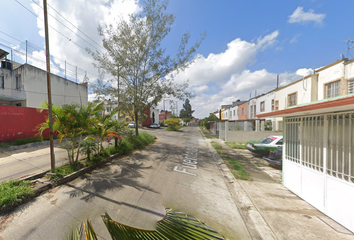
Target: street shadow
{"type": "Point", "coordinates": [116, 176]}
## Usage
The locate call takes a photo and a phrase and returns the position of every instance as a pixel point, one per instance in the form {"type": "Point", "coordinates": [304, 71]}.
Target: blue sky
{"type": "Point", "coordinates": [248, 42]}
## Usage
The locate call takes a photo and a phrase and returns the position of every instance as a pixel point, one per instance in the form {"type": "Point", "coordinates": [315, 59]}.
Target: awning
{"type": "Point", "coordinates": [11, 98]}
{"type": "Point", "coordinates": [340, 104]}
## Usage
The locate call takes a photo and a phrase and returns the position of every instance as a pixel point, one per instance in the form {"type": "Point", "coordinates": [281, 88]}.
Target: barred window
{"type": "Point", "coordinates": [292, 99]}
{"type": "Point", "coordinates": [2, 81]}
{"type": "Point", "coordinates": [350, 86]}
{"type": "Point", "coordinates": [332, 89]}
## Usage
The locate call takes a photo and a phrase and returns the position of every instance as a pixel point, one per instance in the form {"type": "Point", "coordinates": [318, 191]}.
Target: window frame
{"type": "Point", "coordinates": [18, 82]}
{"type": "Point", "coordinates": [290, 103]}
{"type": "Point", "coordinates": [2, 82]}
{"type": "Point", "coordinates": [262, 106]}
{"type": "Point", "coordinates": [337, 88]}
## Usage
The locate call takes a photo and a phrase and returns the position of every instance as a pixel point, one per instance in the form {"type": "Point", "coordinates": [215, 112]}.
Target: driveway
{"type": "Point", "coordinates": [178, 172]}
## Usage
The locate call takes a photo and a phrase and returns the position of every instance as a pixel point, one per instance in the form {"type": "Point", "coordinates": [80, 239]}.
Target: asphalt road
{"type": "Point", "coordinates": [178, 172]}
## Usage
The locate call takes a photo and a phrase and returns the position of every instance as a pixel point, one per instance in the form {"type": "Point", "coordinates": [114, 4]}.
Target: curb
{"type": "Point", "coordinates": [256, 224]}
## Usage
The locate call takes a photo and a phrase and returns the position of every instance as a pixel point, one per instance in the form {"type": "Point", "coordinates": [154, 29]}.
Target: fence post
{"type": "Point", "coordinates": [245, 127]}
{"type": "Point", "coordinates": [256, 126]}
{"type": "Point", "coordinates": [226, 130]}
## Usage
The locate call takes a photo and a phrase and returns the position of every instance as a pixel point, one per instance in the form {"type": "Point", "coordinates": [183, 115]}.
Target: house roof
{"type": "Point", "coordinates": [339, 104]}
{"type": "Point", "coordinates": [3, 54]}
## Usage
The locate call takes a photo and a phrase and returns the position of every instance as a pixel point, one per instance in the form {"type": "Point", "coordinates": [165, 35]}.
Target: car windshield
{"type": "Point", "coordinates": [266, 140]}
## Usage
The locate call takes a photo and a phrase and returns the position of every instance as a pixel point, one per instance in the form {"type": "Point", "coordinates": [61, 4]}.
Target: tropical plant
{"type": "Point", "coordinates": [71, 122]}
{"type": "Point", "coordinates": [102, 126]}
{"type": "Point", "coordinates": [88, 146]}
{"type": "Point", "coordinates": [174, 225]}
{"type": "Point", "coordinates": [118, 129]}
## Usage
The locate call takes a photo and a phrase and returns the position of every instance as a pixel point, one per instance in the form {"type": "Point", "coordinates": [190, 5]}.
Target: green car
{"type": "Point", "coordinates": [265, 145]}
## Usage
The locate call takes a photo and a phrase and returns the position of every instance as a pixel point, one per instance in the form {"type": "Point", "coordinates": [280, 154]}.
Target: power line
{"type": "Point", "coordinates": [69, 28]}
{"type": "Point", "coordinates": [50, 26]}
{"type": "Point", "coordinates": [11, 36]}
{"type": "Point", "coordinates": [76, 27]}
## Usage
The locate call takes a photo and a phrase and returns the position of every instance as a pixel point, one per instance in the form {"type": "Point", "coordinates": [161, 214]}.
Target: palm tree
{"type": "Point", "coordinates": [70, 122]}
{"type": "Point", "coordinates": [101, 128]}
{"type": "Point", "coordinates": [88, 146]}
{"type": "Point", "coordinates": [118, 129]}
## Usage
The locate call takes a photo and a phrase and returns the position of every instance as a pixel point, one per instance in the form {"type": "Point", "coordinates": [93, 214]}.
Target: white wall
{"type": "Point", "coordinates": [63, 91]}
{"type": "Point", "coordinates": [329, 74]}
{"type": "Point", "coordinates": [303, 89]}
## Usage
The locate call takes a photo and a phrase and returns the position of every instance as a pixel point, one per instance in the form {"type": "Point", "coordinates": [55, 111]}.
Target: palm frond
{"type": "Point", "coordinates": [174, 225]}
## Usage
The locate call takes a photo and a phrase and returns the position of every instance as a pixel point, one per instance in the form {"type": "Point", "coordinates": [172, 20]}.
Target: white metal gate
{"type": "Point", "coordinates": [318, 164]}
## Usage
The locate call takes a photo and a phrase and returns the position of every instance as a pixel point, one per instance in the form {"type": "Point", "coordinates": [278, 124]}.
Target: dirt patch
{"type": "Point", "coordinates": [54, 201]}
{"type": "Point", "coordinates": [5, 221]}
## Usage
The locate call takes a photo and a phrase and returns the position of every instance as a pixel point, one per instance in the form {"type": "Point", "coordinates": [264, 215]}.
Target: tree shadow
{"type": "Point", "coordinates": [116, 176]}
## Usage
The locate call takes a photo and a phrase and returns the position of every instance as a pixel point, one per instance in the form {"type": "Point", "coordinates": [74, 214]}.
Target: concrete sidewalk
{"type": "Point", "coordinates": [271, 211]}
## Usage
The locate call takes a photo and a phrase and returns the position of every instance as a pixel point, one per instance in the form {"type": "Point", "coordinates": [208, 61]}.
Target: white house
{"type": "Point", "coordinates": [318, 119]}
{"type": "Point", "coordinates": [26, 86]}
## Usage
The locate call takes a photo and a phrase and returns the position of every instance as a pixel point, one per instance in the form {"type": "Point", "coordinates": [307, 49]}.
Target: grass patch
{"type": "Point", "coordinates": [208, 137]}
{"type": "Point", "coordinates": [237, 169]}
{"type": "Point", "coordinates": [173, 128]}
{"type": "Point", "coordinates": [217, 147]}
{"type": "Point", "coordinates": [235, 166]}
{"type": "Point", "coordinates": [13, 192]}
{"type": "Point", "coordinates": [63, 171]}
{"type": "Point", "coordinates": [234, 145]}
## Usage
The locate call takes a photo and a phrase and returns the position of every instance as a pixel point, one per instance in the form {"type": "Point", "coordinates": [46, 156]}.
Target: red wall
{"type": "Point", "coordinates": [20, 122]}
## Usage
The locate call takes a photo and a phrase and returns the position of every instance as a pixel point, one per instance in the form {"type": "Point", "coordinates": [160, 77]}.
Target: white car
{"type": "Point", "coordinates": [155, 125]}
{"type": "Point", "coordinates": [131, 125]}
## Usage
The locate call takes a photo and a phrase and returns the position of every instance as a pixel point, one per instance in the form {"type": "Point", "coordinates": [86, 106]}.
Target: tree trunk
{"type": "Point", "coordinates": [136, 122]}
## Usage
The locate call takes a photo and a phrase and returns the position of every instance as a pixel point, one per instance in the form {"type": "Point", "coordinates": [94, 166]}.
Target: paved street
{"type": "Point", "coordinates": [23, 162]}
{"type": "Point", "coordinates": [134, 191]}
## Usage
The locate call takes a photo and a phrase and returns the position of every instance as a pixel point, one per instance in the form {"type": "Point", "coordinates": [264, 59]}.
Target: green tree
{"type": "Point", "coordinates": [135, 57]}
{"type": "Point", "coordinates": [88, 146]}
{"type": "Point", "coordinates": [71, 122]}
{"type": "Point", "coordinates": [186, 112]}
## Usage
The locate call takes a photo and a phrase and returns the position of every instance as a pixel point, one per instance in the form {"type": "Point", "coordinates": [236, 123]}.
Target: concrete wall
{"type": "Point", "coordinates": [33, 90]}
{"type": "Point", "coordinates": [63, 91]}
{"type": "Point", "coordinates": [243, 136]}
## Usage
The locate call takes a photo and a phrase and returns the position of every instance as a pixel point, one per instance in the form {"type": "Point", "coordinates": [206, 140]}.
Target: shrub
{"type": "Point", "coordinates": [62, 171]}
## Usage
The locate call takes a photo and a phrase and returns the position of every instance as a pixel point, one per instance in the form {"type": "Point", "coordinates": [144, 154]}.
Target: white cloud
{"type": "Point", "coordinates": [200, 89]}
{"type": "Point", "coordinates": [299, 16]}
{"type": "Point", "coordinates": [68, 46]}
{"type": "Point", "coordinates": [304, 72]}
{"type": "Point", "coordinates": [219, 67]}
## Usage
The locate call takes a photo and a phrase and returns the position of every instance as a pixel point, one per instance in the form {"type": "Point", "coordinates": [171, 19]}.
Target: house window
{"type": "Point", "coordinates": [234, 113]}
{"type": "Point", "coordinates": [242, 111]}
{"type": "Point", "coordinates": [251, 112]}
{"type": "Point", "coordinates": [292, 99]}
{"type": "Point", "coordinates": [254, 111]}
{"type": "Point", "coordinates": [272, 104]}
{"type": "Point", "coordinates": [237, 112]}
{"type": "Point", "coordinates": [18, 82]}
{"type": "Point", "coordinates": [276, 105]}
{"type": "Point", "coordinates": [18, 104]}
{"type": "Point", "coordinates": [2, 82]}
{"type": "Point", "coordinates": [127, 119]}
{"type": "Point", "coordinates": [350, 86]}
{"type": "Point", "coordinates": [262, 106]}
{"type": "Point", "coordinates": [332, 89]}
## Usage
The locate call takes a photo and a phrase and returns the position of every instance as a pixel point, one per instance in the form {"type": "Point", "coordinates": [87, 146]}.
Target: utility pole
{"type": "Point", "coordinates": [52, 159]}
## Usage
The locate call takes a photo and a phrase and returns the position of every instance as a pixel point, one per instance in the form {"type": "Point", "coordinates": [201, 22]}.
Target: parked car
{"type": "Point", "coordinates": [275, 157]}
{"type": "Point", "coordinates": [131, 125]}
{"type": "Point", "coordinates": [265, 145]}
{"type": "Point", "coordinates": [155, 125]}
